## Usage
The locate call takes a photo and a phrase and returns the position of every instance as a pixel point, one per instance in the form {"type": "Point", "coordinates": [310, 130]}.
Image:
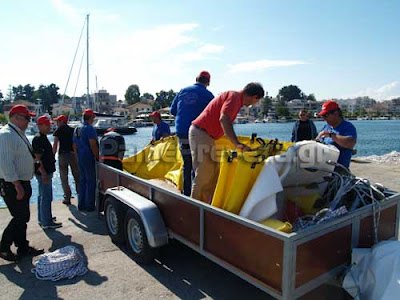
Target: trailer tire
{"type": "Point", "coordinates": [114, 216]}
{"type": "Point", "coordinates": [136, 239]}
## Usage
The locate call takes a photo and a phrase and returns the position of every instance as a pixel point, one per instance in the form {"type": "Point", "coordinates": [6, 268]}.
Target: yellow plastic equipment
{"type": "Point", "coordinates": [306, 202]}
{"type": "Point", "coordinates": [278, 225]}
{"type": "Point", "coordinates": [163, 160]}
{"type": "Point", "coordinates": [238, 172]}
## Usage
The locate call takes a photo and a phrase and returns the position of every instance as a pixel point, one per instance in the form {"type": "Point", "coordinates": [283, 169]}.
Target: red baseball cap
{"type": "Point", "coordinates": [21, 109]}
{"type": "Point", "coordinates": [44, 120]}
{"type": "Point", "coordinates": [155, 113]}
{"type": "Point", "coordinates": [89, 112]}
{"type": "Point", "coordinates": [61, 118]}
{"type": "Point", "coordinates": [328, 106]}
{"type": "Point", "coordinates": [204, 74]}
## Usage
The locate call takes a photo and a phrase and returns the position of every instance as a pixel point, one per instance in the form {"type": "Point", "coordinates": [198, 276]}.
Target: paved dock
{"type": "Point", "coordinates": [179, 272]}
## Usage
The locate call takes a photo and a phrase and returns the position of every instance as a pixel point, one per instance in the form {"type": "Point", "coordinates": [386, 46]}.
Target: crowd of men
{"type": "Point", "coordinates": [201, 119]}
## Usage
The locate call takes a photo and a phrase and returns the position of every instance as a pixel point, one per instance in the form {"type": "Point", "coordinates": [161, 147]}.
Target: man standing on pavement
{"type": "Point", "coordinates": [187, 106]}
{"type": "Point", "coordinates": [86, 144]}
{"type": "Point", "coordinates": [44, 174]}
{"type": "Point", "coordinates": [214, 122]}
{"type": "Point", "coordinates": [337, 132]}
{"type": "Point", "coordinates": [66, 156]}
{"type": "Point", "coordinates": [112, 148]}
{"type": "Point", "coordinates": [161, 129]}
{"type": "Point", "coordinates": [16, 171]}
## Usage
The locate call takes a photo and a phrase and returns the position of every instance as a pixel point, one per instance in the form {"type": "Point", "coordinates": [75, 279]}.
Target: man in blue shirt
{"type": "Point", "coordinates": [338, 132]}
{"type": "Point", "coordinates": [160, 129]}
{"type": "Point", "coordinates": [86, 144]}
{"type": "Point", "coordinates": [187, 106]}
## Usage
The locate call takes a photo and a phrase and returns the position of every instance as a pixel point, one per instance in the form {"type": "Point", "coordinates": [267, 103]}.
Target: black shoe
{"type": "Point", "coordinates": [30, 251]}
{"type": "Point", "coordinates": [67, 202]}
{"type": "Point", "coordinates": [8, 255]}
{"type": "Point", "coordinates": [53, 225]}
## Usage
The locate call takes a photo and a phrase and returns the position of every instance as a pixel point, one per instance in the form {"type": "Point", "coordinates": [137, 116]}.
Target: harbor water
{"type": "Point", "coordinates": [375, 137]}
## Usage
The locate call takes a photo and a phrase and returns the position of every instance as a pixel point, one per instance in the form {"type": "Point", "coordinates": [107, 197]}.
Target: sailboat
{"type": "Point", "coordinates": [103, 121]}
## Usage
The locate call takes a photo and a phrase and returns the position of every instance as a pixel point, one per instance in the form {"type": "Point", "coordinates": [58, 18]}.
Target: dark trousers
{"type": "Point", "coordinates": [187, 169]}
{"type": "Point", "coordinates": [65, 160]}
{"type": "Point", "coordinates": [113, 163]}
{"type": "Point", "coordinates": [87, 183]}
{"type": "Point", "coordinates": [15, 232]}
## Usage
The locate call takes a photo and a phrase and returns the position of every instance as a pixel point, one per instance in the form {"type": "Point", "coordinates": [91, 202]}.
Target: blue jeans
{"type": "Point", "coordinates": [87, 183]}
{"type": "Point", "coordinates": [187, 169]}
{"type": "Point", "coordinates": [45, 198]}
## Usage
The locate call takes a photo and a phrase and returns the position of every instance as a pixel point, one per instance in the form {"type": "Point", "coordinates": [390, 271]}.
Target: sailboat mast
{"type": "Point", "coordinates": [87, 62]}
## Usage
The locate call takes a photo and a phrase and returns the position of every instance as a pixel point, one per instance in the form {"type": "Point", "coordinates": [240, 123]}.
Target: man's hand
{"type": "Point", "coordinates": [323, 134]}
{"type": "Point", "coordinates": [243, 147]}
{"type": "Point", "coordinates": [20, 190]}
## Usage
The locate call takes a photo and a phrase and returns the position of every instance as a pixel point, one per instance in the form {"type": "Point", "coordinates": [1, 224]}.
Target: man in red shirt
{"type": "Point", "coordinates": [215, 121]}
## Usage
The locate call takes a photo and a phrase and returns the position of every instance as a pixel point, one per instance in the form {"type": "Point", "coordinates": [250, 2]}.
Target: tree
{"type": "Point", "coordinates": [132, 94]}
{"type": "Point", "coordinates": [24, 92]}
{"type": "Point", "coordinates": [282, 111]}
{"type": "Point", "coordinates": [290, 92]}
{"type": "Point", "coordinates": [164, 99]}
{"type": "Point", "coordinates": [49, 95]}
{"type": "Point", "coordinates": [266, 104]}
{"type": "Point", "coordinates": [148, 96]}
{"type": "Point", "coordinates": [311, 97]}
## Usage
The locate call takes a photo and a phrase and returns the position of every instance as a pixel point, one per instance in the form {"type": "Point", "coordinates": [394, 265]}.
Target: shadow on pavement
{"type": "Point", "coordinates": [88, 221]}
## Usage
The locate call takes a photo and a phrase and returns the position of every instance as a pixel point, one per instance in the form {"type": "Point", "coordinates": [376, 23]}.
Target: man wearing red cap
{"type": "Point", "coordinates": [87, 147]}
{"type": "Point", "coordinates": [66, 156]}
{"type": "Point", "coordinates": [215, 121]}
{"type": "Point", "coordinates": [44, 174]}
{"type": "Point", "coordinates": [16, 171]}
{"type": "Point", "coordinates": [337, 132]}
{"type": "Point", "coordinates": [160, 129]}
{"type": "Point", "coordinates": [187, 106]}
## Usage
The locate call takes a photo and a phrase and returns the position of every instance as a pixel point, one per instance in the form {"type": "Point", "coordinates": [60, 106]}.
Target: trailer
{"type": "Point", "coordinates": [146, 215]}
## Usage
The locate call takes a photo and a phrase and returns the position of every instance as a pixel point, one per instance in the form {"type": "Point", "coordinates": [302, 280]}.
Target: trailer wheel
{"type": "Point", "coordinates": [114, 216]}
{"type": "Point", "coordinates": [137, 239]}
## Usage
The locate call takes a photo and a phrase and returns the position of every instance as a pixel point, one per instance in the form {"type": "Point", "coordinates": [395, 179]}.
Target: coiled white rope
{"type": "Point", "coordinates": [65, 262]}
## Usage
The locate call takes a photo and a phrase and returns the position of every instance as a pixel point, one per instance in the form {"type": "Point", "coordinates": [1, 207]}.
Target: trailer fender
{"type": "Point", "coordinates": [153, 222]}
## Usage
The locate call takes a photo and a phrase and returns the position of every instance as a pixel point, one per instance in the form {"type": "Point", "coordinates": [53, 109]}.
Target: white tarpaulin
{"type": "Point", "coordinates": [375, 272]}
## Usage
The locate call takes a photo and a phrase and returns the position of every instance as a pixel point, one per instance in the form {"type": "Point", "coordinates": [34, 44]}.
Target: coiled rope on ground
{"type": "Point", "coordinates": [66, 262]}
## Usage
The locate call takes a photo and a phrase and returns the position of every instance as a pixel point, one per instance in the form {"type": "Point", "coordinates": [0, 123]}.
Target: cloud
{"type": "Point", "coordinates": [262, 65]}
{"type": "Point", "coordinates": [385, 92]}
{"type": "Point", "coordinates": [75, 15]}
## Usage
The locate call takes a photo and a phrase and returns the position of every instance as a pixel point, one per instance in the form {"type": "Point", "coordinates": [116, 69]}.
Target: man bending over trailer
{"type": "Point", "coordinates": [214, 122]}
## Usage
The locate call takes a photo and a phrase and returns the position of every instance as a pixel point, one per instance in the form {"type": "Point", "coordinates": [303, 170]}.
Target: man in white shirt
{"type": "Point", "coordinates": [16, 171]}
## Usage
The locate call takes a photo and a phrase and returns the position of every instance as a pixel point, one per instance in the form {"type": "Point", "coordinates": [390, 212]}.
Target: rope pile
{"type": "Point", "coordinates": [66, 262]}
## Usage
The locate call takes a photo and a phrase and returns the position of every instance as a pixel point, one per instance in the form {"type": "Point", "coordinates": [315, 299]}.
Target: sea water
{"type": "Point", "coordinates": [375, 137]}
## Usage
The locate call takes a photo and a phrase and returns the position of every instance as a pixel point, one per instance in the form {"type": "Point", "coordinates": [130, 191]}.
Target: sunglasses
{"type": "Point", "coordinates": [27, 118]}
{"type": "Point", "coordinates": [329, 113]}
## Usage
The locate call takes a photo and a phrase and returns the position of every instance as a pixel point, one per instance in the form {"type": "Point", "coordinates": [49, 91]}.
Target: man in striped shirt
{"type": "Point", "coordinates": [16, 171]}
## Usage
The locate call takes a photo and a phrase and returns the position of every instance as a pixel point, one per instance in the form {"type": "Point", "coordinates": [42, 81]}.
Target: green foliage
{"type": "Point", "coordinates": [282, 111]}
{"type": "Point", "coordinates": [164, 99]}
{"type": "Point", "coordinates": [3, 119]}
{"type": "Point", "coordinates": [311, 97]}
{"type": "Point", "coordinates": [266, 105]}
{"type": "Point", "coordinates": [1, 95]}
{"type": "Point", "coordinates": [49, 95]}
{"type": "Point", "coordinates": [290, 92]}
{"type": "Point", "coordinates": [23, 92]}
{"type": "Point", "coordinates": [148, 96]}
{"type": "Point", "coordinates": [132, 94]}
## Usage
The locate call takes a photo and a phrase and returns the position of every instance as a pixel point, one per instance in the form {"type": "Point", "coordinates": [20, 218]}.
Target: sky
{"type": "Point", "coordinates": [331, 48]}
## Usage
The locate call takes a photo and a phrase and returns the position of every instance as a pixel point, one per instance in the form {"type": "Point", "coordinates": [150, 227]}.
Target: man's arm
{"type": "Point", "coordinates": [174, 105]}
{"type": "Point", "coordinates": [55, 145]}
{"type": "Point", "coordinates": [227, 126]}
{"type": "Point", "coordinates": [94, 148]}
{"type": "Point", "coordinates": [344, 141]}
{"type": "Point", "coordinates": [42, 171]}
